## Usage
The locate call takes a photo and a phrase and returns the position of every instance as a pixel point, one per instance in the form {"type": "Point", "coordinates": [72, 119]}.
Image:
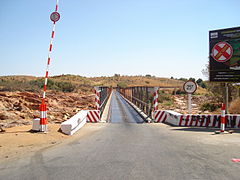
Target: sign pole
{"type": "Point", "coordinates": [189, 87]}
{"type": "Point", "coordinates": [189, 103]}
{"type": "Point", "coordinates": [226, 86]}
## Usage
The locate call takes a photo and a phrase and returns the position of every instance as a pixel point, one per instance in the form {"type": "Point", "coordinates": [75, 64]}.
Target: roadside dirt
{"type": "Point", "coordinates": [180, 104]}
{"type": "Point", "coordinates": [19, 141]}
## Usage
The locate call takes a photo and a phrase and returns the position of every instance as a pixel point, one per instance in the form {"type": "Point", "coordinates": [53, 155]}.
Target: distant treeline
{"type": "Point", "coordinates": [37, 85]}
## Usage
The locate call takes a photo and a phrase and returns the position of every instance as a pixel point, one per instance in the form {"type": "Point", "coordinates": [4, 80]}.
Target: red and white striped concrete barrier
{"type": "Point", "coordinates": [232, 121]}
{"type": "Point", "coordinates": [76, 122]}
{"type": "Point", "coordinates": [160, 116]}
{"type": "Point", "coordinates": [201, 120]}
{"type": "Point", "coordinates": [93, 116]}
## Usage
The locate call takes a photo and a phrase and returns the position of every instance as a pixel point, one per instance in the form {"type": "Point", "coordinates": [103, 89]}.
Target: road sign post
{"type": "Point", "coordinates": [190, 87]}
{"type": "Point", "coordinates": [189, 103]}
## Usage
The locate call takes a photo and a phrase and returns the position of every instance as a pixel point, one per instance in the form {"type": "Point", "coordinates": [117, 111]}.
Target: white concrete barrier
{"type": "Point", "coordinates": [36, 124]}
{"type": "Point", "coordinates": [173, 117]}
{"type": "Point", "coordinates": [199, 120]}
{"type": "Point", "coordinates": [72, 125]}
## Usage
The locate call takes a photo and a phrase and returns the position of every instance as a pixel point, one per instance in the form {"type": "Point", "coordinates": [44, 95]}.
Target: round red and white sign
{"type": "Point", "coordinates": [190, 87]}
{"type": "Point", "coordinates": [222, 51]}
{"type": "Point", "coordinates": [55, 16]}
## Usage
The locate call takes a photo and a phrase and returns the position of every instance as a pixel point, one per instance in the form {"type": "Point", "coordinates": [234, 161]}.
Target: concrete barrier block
{"type": "Point", "coordinates": [93, 116]}
{"type": "Point", "coordinates": [72, 125]}
{"type": "Point", "coordinates": [173, 117]}
{"type": "Point", "coordinates": [36, 124]}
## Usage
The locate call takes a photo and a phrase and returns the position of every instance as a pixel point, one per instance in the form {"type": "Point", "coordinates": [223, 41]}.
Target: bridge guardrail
{"type": "Point", "coordinates": [144, 97]}
{"type": "Point", "coordinates": [140, 96]}
{"type": "Point", "coordinates": [102, 96]}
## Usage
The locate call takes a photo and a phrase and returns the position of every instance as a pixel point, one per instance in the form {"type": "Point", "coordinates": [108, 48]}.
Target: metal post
{"type": "Point", "coordinates": [189, 103]}
{"type": "Point", "coordinates": [226, 86]}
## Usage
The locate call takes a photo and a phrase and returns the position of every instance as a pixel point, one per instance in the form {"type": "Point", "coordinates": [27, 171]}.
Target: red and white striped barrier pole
{"type": "Point", "coordinates": [97, 98]}
{"type": "Point", "coordinates": [155, 101]}
{"type": "Point", "coordinates": [43, 117]}
{"type": "Point", "coordinates": [223, 118]}
{"type": "Point", "coordinates": [55, 16]}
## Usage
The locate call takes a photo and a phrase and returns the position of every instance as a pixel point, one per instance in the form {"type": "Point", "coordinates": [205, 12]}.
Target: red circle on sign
{"type": "Point", "coordinates": [222, 51]}
{"type": "Point", "coordinates": [55, 16]}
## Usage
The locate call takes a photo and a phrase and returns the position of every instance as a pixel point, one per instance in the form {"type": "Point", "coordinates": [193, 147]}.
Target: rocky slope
{"type": "Point", "coordinates": [19, 108]}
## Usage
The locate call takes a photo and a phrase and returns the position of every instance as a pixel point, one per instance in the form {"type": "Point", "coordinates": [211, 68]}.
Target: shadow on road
{"type": "Point", "coordinates": [203, 129]}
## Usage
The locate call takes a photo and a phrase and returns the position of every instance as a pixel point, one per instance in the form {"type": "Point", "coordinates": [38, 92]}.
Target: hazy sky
{"type": "Point", "coordinates": [102, 37]}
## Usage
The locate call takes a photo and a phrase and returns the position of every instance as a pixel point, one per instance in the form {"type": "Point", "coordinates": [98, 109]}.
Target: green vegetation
{"type": "Point", "coordinates": [64, 83]}
{"type": "Point", "coordinates": [209, 107]}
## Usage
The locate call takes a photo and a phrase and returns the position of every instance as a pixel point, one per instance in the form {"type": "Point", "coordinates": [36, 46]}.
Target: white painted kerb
{"type": "Point", "coordinates": [72, 125]}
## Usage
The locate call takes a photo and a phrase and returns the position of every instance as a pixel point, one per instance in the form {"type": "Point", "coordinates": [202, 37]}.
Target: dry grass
{"type": "Point", "coordinates": [81, 84]}
{"type": "Point", "coordinates": [235, 106]}
{"type": "Point", "coordinates": [136, 81]}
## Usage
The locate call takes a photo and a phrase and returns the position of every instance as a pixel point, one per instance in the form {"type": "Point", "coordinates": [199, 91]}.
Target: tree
{"type": "Point", "coordinates": [192, 79]}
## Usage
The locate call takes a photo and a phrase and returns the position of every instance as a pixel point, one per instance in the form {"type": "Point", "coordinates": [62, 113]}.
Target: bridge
{"type": "Point", "coordinates": [126, 140]}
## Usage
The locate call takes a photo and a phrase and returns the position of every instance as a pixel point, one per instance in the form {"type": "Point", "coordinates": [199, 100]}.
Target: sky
{"type": "Point", "coordinates": [164, 38]}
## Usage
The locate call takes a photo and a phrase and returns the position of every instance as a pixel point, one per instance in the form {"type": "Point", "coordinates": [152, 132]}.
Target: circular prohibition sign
{"type": "Point", "coordinates": [222, 51]}
{"type": "Point", "coordinates": [190, 87]}
{"type": "Point", "coordinates": [55, 16]}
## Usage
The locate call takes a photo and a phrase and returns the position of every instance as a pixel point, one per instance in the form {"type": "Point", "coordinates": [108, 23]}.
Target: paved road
{"type": "Point", "coordinates": [121, 111]}
{"type": "Point", "coordinates": [122, 151]}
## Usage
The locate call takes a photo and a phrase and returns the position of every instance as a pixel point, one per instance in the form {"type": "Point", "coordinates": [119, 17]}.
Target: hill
{"type": "Point", "coordinates": [79, 84]}
{"type": "Point", "coordinates": [20, 96]}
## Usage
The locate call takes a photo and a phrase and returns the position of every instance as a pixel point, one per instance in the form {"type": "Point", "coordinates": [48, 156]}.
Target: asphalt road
{"type": "Point", "coordinates": [126, 150]}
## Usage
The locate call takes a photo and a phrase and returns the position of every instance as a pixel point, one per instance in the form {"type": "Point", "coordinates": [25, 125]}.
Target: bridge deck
{"type": "Point", "coordinates": [122, 112]}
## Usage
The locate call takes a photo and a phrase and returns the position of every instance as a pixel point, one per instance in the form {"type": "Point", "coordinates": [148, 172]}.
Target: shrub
{"type": "Point", "coordinates": [122, 85]}
{"type": "Point", "coordinates": [168, 103]}
{"type": "Point", "coordinates": [54, 85]}
{"type": "Point", "coordinates": [179, 91]}
{"type": "Point", "coordinates": [65, 86]}
{"type": "Point", "coordinates": [234, 107]}
{"type": "Point", "coordinates": [164, 97]}
{"type": "Point", "coordinates": [209, 107]}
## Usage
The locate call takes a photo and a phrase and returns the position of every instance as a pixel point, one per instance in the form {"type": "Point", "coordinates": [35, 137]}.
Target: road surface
{"type": "Point", "coordinates": [122, 151]}
{"type": "Point", "coordinates": [122, 112]}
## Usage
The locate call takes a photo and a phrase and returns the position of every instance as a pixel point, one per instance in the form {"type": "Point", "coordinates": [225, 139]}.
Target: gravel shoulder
{"type": "Point", "coordinates": [19, 141]}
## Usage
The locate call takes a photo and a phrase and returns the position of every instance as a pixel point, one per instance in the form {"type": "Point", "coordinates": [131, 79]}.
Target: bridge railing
{"type": "Point", "coordinates": [141, 96]}
{"type": "Point", "coordinates": [145, 98]}
{"type": "Point", "coordinates": [102, 95]}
